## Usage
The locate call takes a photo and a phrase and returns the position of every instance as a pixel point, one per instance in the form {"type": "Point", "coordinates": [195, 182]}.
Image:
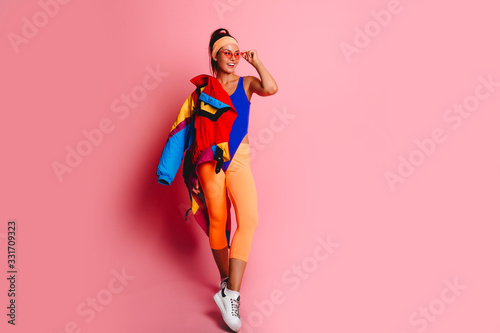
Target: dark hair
{"type": "Point", "coordinates": [216, 35]}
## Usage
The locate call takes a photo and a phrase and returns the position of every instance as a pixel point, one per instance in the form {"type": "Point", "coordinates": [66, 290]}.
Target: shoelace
{"type": "Point", "coordinates": [235, 307]}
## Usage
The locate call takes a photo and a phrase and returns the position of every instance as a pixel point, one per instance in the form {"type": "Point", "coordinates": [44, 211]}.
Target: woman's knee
{"type": "Point", "coordinates": [249, 222]}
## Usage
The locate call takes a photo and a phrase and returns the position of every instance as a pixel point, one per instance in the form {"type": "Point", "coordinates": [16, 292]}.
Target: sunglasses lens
{"type": "Point", "coordinates": [229, 54]}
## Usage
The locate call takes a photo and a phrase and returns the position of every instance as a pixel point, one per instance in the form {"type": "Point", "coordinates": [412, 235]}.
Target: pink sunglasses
{"type": "Point", "coordinates": [228, 54]}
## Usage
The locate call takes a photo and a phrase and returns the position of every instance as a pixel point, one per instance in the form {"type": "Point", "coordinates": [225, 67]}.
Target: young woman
{"type": "Point", "coordinates": [237, 177]}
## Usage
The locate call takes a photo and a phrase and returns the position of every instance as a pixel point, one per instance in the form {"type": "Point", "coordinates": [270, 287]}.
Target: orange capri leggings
{"type": "Point", "coordinates": [238, 181]}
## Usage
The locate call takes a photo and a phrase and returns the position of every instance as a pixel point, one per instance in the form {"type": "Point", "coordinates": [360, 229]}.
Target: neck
{"type": "Point", "coordinates": [225, 78]}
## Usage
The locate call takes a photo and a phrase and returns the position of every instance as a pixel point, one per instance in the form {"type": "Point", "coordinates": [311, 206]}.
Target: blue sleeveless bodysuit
{"type": "Point", "coordinates": [240, 125]}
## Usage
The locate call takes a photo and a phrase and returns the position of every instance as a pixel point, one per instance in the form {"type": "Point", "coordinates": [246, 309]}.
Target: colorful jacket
{"type": "Point", "coordinates": [200, 133]}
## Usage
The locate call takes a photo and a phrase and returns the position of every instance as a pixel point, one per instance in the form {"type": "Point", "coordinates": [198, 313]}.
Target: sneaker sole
{"type": "Point", "coordinates": [218, 301]}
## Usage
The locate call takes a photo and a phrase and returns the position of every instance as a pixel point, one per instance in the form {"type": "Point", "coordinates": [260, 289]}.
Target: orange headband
{"type": "Point", "coordinates": [221, 42]}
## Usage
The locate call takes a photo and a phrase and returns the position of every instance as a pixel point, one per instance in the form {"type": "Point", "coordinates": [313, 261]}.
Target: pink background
{"type": "Point", "coordinates": [319, 176]}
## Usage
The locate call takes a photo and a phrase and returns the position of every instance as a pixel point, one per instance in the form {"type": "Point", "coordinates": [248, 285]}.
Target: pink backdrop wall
{"type": "Point", "coordinates": [378, 191]}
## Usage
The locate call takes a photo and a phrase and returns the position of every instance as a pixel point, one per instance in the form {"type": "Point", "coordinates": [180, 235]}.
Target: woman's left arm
{"type": "Point", "coordinates": [268, 86]}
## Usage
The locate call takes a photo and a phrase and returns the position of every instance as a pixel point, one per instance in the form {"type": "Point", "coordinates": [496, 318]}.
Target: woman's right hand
{"type": "Point", "coordinates": [196, 188]}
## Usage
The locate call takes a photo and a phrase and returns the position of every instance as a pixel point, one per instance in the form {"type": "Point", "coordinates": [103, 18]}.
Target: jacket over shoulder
{"type": "Point", "coordinates": [200, 133]}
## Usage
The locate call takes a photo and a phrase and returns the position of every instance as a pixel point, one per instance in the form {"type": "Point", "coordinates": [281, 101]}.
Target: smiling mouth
{"type": "Point", "coordinates": [231, 65]}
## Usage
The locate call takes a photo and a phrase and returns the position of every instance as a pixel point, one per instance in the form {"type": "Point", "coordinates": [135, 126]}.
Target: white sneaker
{"type": "Point", "coordinates": [229, 307]}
